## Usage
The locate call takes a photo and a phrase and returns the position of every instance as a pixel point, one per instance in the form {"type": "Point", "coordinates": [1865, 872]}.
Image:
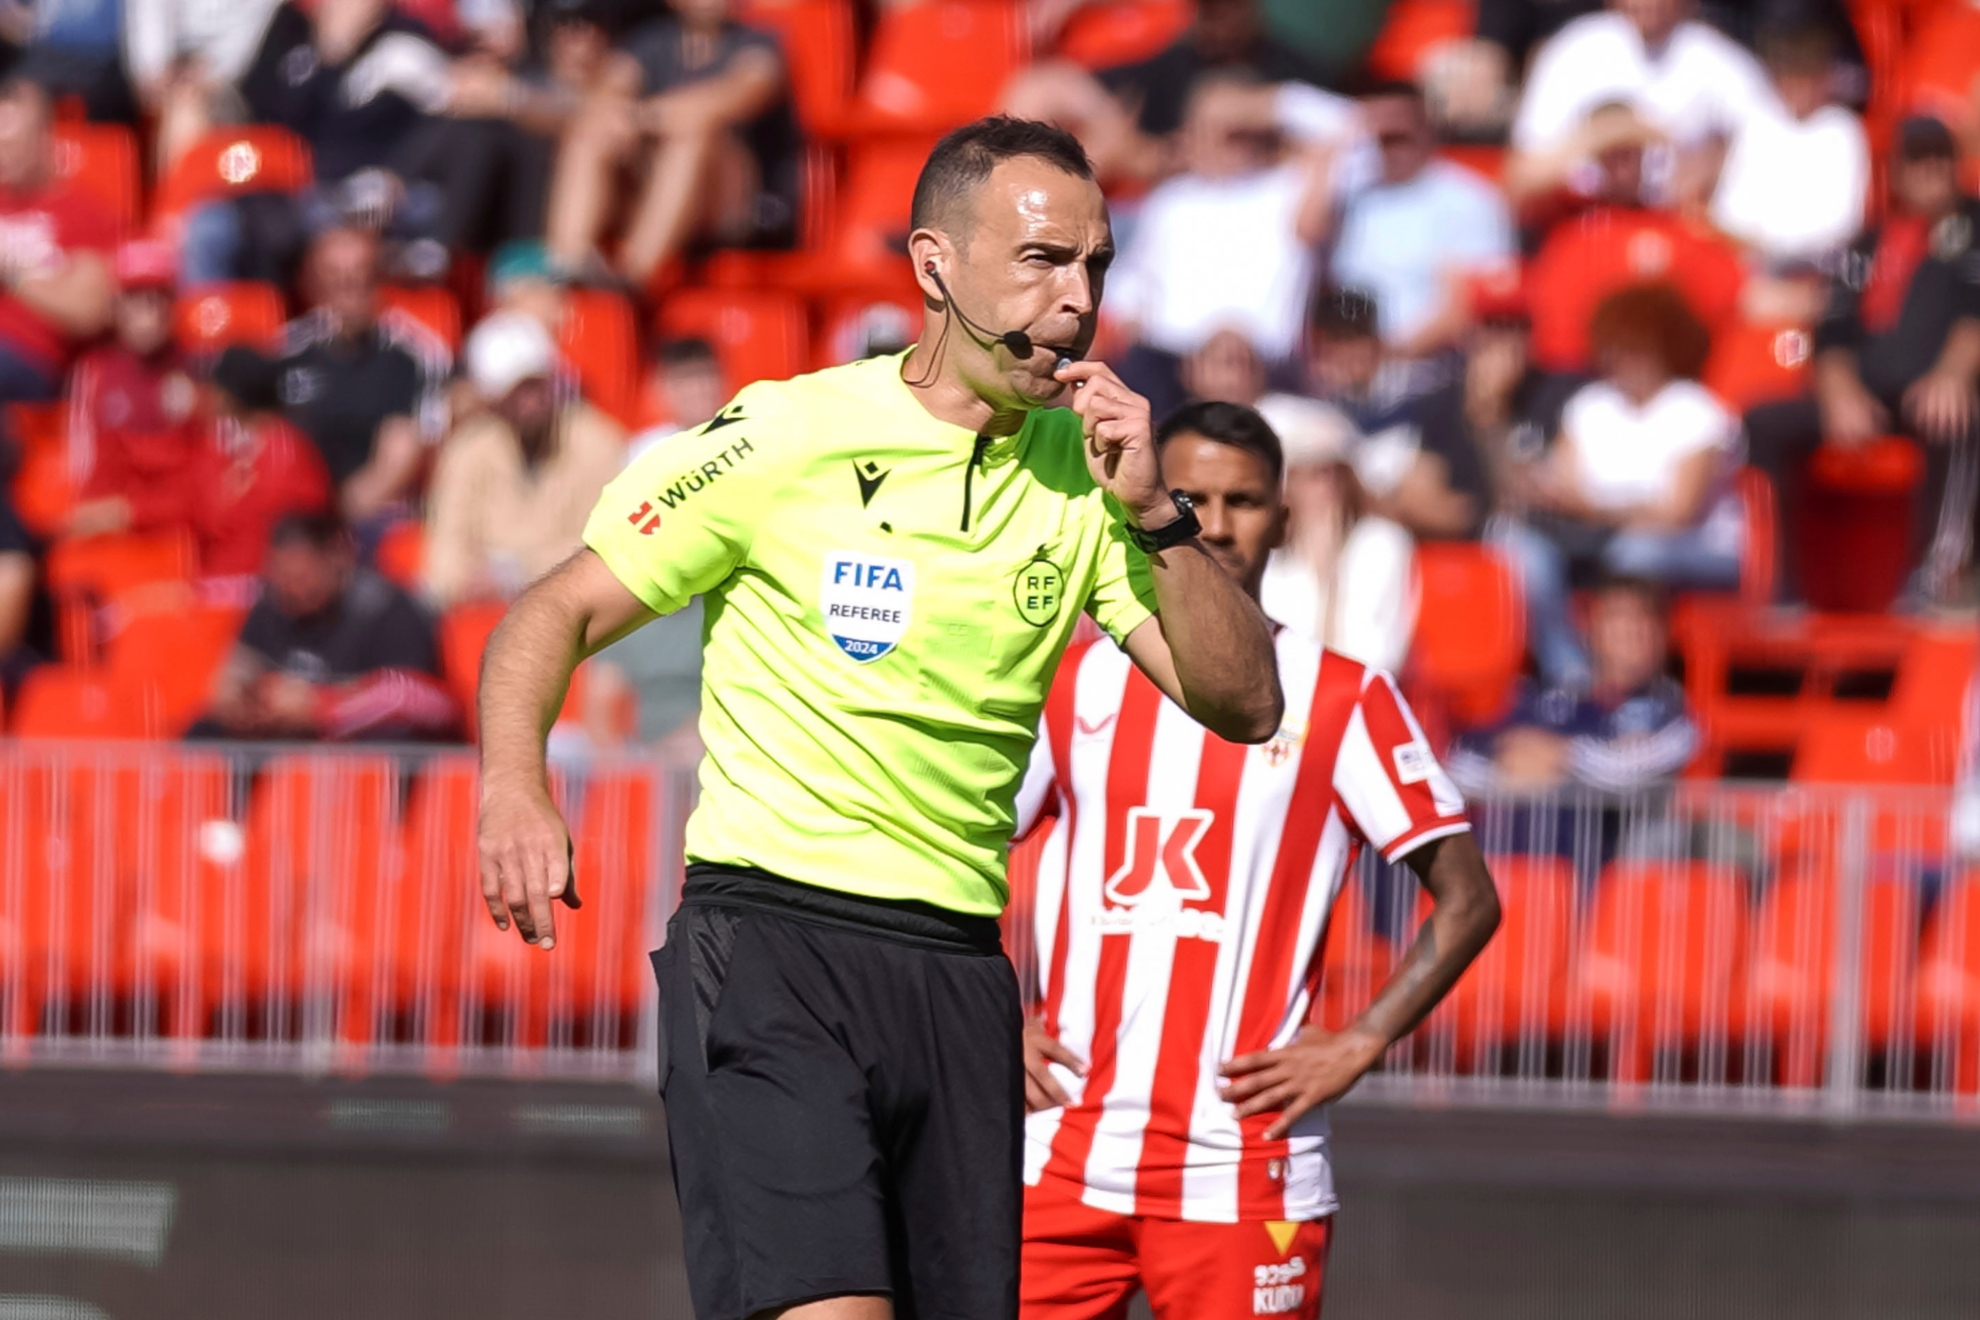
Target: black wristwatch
{"type": "Point", "coordinates": [1178, 529]}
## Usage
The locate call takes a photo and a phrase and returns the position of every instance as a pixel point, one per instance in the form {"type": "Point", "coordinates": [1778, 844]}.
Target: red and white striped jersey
{"type": "Point", "coordinates": [1178, 915]}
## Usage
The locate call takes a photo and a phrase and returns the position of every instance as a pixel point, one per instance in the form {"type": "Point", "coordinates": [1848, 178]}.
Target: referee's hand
{"type": "Point", "coordinates": [1120, 440]}
{"type": "Point", "coordinates": [525, 862]}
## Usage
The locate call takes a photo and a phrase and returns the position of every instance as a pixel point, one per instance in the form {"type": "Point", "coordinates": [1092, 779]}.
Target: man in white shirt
{"type": "Point", "coordinates": [1690, 82]}
{"type": "Point", "coordinates": [1416, 233]}
{"type": "Point", "coordinates": [1793, 183]}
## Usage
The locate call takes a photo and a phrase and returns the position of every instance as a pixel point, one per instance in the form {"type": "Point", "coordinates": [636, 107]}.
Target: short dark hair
{"type": "Point", "coordinates": [1654, 319]}
{"type": "Point", "coordinates": [1230, 424]}
{"type": "Point", "coordinates": [684, 351]}
{"type": "Point", "coordinates": [1798, 45]}
{"type": "Point", "coordinates": [1925, 137]}
{"type": "Point", "coordinates": [1654, 595]}
{"type": "Point", "coordinates": [961, 161]}
{"type": "Point", "coordinates": [323, 531]}
{"type": "Point", "coordinates": [1345, 313]}
{"type": "Point", "coordinates": [1385, 89]}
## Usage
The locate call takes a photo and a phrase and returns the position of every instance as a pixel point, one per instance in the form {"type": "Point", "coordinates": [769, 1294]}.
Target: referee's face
{"type": "Point", "coordinates": [1035, 260]}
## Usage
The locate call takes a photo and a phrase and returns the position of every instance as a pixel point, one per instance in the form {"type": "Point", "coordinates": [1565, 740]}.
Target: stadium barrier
{"type": "Point", "coordinates": [1782, 949]}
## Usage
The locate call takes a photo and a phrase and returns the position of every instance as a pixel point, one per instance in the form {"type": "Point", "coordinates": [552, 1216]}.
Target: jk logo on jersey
{"type": "Point", "coordinates": [1164, 844]}
{"type": "Point", "coordinates": [867, 602]}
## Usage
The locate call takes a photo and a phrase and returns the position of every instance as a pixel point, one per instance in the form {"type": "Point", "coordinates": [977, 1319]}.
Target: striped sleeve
{"type": "Point", "coordinates": [1386, 778]}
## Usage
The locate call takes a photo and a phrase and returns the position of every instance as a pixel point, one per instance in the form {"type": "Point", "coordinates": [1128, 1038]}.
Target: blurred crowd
{"type": "Point", "coordinates": [1605, 289]}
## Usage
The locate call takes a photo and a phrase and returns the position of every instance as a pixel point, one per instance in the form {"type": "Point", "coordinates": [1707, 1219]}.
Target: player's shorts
{"type": "Point", "coordinates": [1083, 1264]}
{"type": "Point", "coordinates": [845, 1092]}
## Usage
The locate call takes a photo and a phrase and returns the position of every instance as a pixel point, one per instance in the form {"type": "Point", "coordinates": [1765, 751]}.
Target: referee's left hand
{"type": "Point", "coordinates": [525, 862]}
{"type": "Point", "coordinates": [1120, 440]}
{"type": "Point", "coordinates": [1316, 1067]}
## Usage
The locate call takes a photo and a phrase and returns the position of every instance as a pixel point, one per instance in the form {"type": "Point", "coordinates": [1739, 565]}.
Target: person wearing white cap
{"type": "Point", "coordinates": [516, 480]}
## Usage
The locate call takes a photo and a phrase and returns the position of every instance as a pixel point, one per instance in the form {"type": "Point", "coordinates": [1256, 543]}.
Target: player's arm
{"type": "Point", "coordinates": [580, 607]}
{"type": "Point", "coordinates": [1208, 648]}
{"type": "Point", "coordinates": [1319, 1066]}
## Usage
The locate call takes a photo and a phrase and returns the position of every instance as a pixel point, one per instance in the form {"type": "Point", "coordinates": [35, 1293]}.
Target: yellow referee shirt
{"type": "Point", "coordinates": [887, 600]}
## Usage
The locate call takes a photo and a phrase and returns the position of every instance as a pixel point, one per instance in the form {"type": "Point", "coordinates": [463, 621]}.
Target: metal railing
{"type": "Point", "coordinates": [1780, 949]}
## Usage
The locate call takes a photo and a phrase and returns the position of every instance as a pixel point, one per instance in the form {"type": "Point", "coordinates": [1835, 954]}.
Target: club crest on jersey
{"type": "Point", "coordinates": [867, 602]}
{"type": "Point", "coordinates": [1037, 590]}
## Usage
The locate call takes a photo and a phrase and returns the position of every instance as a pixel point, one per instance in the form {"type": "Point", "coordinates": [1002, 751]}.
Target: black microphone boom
{"type": "Point", "coordinates": [1016, 342]}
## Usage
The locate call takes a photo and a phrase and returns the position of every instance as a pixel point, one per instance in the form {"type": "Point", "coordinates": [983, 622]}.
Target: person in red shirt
{"type": "Point", "coordinates": [1177, 1071]}
{"type": "Point", "coordinates": [56, 285]}
{"type": "Point", "coordinates": [251, 469]}
{"type": "Point", "coordinates": [132, 427]}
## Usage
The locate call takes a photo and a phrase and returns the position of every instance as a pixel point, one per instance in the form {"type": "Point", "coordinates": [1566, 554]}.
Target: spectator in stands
{"type": "Point", "coordinates": [704, 103]}
{"type": "Point", "coordinates": [520, 279]}
{"type": "Point", "coordinates": [1617, 240]}
{"type": "Point", "coordinates": [1227, 369]}
{"type": "Point", "coordinates": [1626, 732]}
{"type": "Point", "coordinates": [1131, 118]}
{"type": "Point", "coordinates": [1636, 484]}
{"type": "Point", "coordinates": [1690, 82]}
{"type": "Point", "coordinates": [186, 60]}
{"type": "Point", "coordinates": [331, 651]}
{"type": "Point", "coordinates": [1343, 576]}
{"type": "Point", "coordinates": [74, 48]}
{"type": "Point", "coordinates": [132, 409]}
{"type": "Point", "coordinates": [1796, 172]}
{"type": "Point", "coordinates": [57, 286]}
{"type": "Point", "coordinates": [360, 386]}
{"type": "Point", "coordinates": [1416, 232]}
{"type": "Point", "coordinates": [1898, 350]}
{"type": "Point", "coordinates": [515, 483]}
{"type": "Point", "coordinates": [1227, 244]}
{"type": "Point", "coordinates": [684, 388]}
{"type": "Point", "coordinates": [250, 470]}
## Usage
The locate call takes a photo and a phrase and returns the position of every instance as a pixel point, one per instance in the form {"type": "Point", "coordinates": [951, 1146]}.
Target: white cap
{"type": "Point", "coordinates": [506, 349]}
{"type": "Point", "coordinates": [1310, 432]}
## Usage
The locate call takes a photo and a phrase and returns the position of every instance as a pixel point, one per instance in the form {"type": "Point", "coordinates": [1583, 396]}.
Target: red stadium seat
{"type": "Point", "coordinates": [197, 638]}
{"type": "Point", "coordinates": [1517, 988]}
{"type": "Point", "coordinates": [1354, 960]}
{"type": "Point", "coordinates": [853, 324]}
{"type": "Point", "coordinates": [58, 701]}
{"type": "Point", "coordinates": [432, 307]}
{"type": "Point", "coordinates": [1414, 31]}
{"type": "Point", "coordinates": [617, 861]}
{"type": "Point", "coordinates": [1757, 554]}
{"type": "Point", "coordinates": [1755, 364]}
{"type": "Point", "coordinates": [939, 64]}
{"type": "Point", "coordinates": [401, 552]}
{"type": "Point", "coordinates": [1949, 988]}
{"type": "Point", "coordinates": [1470, 629]}
{"type": "Point", "coordinates": [821, 47]}
{"type": "Point", "coordinates": [231, 162]}
{"type": "Point", "coordinates": [1851, 748]}
{"type": "Point", "coordinates": [1665, 964]}
{"type": "Point", "coordinates": [600, 342]}
{"type": "Point", "coordinates": [88, 573]}
{"type": "Point", "coordinates": [1605, 249]}
{"type": "Point", "coordinates": [464, 632]}
{"type": "Point", "coordinates": [217, 316]}
{"type": "Point", "coordinates": [442, 904]}
{"type": "Point", "coordinates": [101, 160]}
{"type": "Point", "coordinates": [1111, 32]}
{"type": "Point", "coordinates": [1855, 524]}
{"type": "Point", "coordinates": [757, 336]}
{"type": "Point", "coordinates": [1794, 964]}
{"type": "Point", "coordinates": [45, 484]}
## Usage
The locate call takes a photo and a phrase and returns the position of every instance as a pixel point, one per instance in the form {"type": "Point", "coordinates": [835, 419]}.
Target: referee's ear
{"type": "Point", "coordinates": [930, 248]}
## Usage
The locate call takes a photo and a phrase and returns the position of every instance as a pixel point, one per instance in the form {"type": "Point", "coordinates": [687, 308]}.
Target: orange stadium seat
{"type": "Point", "coordinates": [1414, 31]}
{"type": "Point", "coordinates": [1949, 987]}
{"type": "Point", "coordinates": [44, 486]}
{"type": "Point", "coordinates": [432, 307]}
{"type": "Point", "coordinates": [1114, 32]}
{"type": "Point", "coordinates": [59, 701]}
{"type": "Point", "coordinates": [936, 65]}
{"type": "Point", "coordinates": [216, 316]}
{"type": "Point", "coordinates": [757, 336]}
{"type": "Point", "coordinates": [234, 161]}
{"type": "Point", "coordinates": [101, 160]}
{"type": "Point", "coordinates": [1517, 988]}
{"type": "Point", "coordinates": [1755, 364]}
{"type": "Point", "coordinates": [821, 45]}
{"type": "Point", "coordinates": [600, 342]}
{"type": "Point", "coordinates": [1665, 963]}
{"type": "Point", "coordinates": [1604, 249]}
{"type": "Point", "coordinates": [89, 573]}
{"type": "Point", "coordinates": [401, 552]}
{"type": "Point", "coordinates": [1470, 629]}
{"type": "Point", "coordinates": [197, 637]}
{"type": "Point", "coordinates": [464, 632]}
{"type": "Point", "coordinates": [1857, 749]}
{"type": "Point", "coordinates": [1794, 966]}
{"type": "Point", "coordinates": [871, 223]}
{"type": "Point", "coordinates": [616, 859]}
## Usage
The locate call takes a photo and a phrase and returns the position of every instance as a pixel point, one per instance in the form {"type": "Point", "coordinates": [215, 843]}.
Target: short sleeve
{"type": "Point", "coordinates": [1039, 787]}
{"type": "Point", "coordinates": [1387, 779]}
{"type": "Point", "coordinates": [1123, 595]}
{"type": "Point", "coordinates": [679, 520]}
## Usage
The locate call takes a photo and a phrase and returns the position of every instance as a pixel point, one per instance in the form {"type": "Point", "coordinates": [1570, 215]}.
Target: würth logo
{"type": "Point", "coordinates": [645, 519]}
{"type": "Point", "coordinates": [1165, 845]}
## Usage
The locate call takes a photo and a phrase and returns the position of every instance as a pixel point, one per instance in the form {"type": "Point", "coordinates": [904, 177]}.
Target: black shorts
{"type": "Point", "coordinates": [845, 1100]}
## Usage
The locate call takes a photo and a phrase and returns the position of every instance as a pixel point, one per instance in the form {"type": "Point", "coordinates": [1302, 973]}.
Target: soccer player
{"type": "Point", "coordinates": [1177, 1081]}
{"type": "Point", "coordinates": [894, 555]}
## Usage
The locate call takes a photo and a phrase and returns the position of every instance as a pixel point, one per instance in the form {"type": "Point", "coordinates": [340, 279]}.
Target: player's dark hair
{"type": "Point", "coordinates": [319, 531]}
{"type": "Point", "coordinates": [1230, 424]}
{"type": "Point", "coordinates": [688, 350]}
{"type": "Point", "coordinates": [964, 159]}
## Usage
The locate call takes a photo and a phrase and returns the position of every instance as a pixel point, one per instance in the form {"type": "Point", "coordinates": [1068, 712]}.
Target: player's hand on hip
{"type": "Point", "coordinates": [525, 862]}
{"type": "Point", "coordinates": [1120, 440]}
{"type": "Point", "coordinates": [1041, 1050]}
{"type": "Point", "coordinates": [1316, 1067]}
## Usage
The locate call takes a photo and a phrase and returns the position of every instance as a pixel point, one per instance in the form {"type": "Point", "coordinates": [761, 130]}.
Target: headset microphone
{"type": "Point", "coordinates": [1016, 342]}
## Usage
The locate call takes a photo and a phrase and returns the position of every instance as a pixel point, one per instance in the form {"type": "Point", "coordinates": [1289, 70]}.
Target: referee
{"type": "Point", "coordinates": [894, 555]}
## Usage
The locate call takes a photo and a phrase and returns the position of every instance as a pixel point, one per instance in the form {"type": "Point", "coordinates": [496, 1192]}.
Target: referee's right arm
{"type": "Point", "coordinates": [575, 610]}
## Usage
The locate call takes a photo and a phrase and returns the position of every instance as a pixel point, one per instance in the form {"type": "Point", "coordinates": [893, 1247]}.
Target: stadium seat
{"type": "Point", "coordinates": [757, 336]}
{"type": "Point", "coordinates": [617, 859]}
{"type": "Point", "coordinates": [1755, 364]}
{"type": "Point", "coordinates": [231, 162]}
{"type": "Point", "coordinates": [101, 160]}
{"type": "Point", "coordinates": [1855, 524]}
{"type": "Point", "coordinates": [87, 574]}
{"type": "Point", "coordinates": [936, 65]}
{"type": "Point", "coordinates": [1413, 32]}
{"type": "Point", "coordinates": [1794, 965]}
{"type": "Point", "coordinates": [401, 552]}
{"type": "Point", "coordinates": [1605, 249]}
{"type": "Point", "coordinates": [852, 325]}
{"type": "Point", "coordinates": [1857, 749]}
{"type": "Point", "coordinates": [1948, 1026]}
{"type": "Point", "coordinates": [197, 637]}
{"type": "Point", "coordinates": [1354, 960]}
{"type": "Point", "coordinates": [821, 46]}
{"type": "Point", "coordinates": [600, 342]}
{"type": "Point", "coordinates": [434, 308]}
{"type": "Point", "coordinates": [871, 222]}
{"type": "Point", "coordinates": [464, 632]}
{"type": "Point", "coordinates": [1664, 968]}
{"type": "Point", "coordinates": [1759, 516]}
{"type": "Point", "coordinates": [1470, 629]}
{"type": "Point", "coordinates": [442, 903]}
{"type": "Point", "coordinates": [60, 701]}
{"type": "Point", "coordinates": [45, 481]}
{"type": "Point", "coordinates": [216, 316]}
{"type": "Point", "coordinates": [1516, 991]}
{"type": "Point", "coordinates": [1111, 32]}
